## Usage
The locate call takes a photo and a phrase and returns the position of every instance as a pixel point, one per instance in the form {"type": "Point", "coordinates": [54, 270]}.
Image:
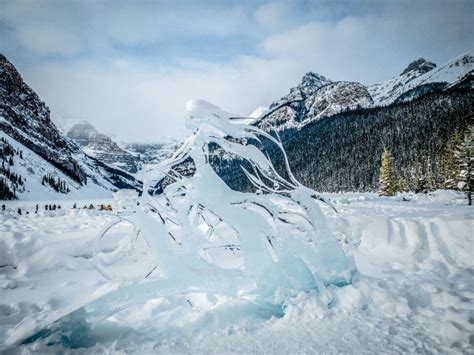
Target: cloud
{"type": "Point", "coordinates": [72, 27]}
{"type": "Point", "coordinates": [134, 100]}
{"type": "Point", "coordinates": [130, 69]}
{"type": "Point", "coordinates": [276, 15]}
{"type": "Point", "coordinates": [371, 47]}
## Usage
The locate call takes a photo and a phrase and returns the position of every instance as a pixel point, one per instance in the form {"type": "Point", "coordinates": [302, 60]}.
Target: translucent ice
{"type": "Point", "coordinates": [206, 237]}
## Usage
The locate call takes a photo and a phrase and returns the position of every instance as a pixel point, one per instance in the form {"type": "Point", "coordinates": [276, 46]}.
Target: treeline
{"type": "Point", "coordinates": [10, 181]}
{"type": "Point", "coordinates": [56, 183]}
{"type": "Point", "coordinates": [457, 162]}
{"type": "Point", "coordinates": [343, 152]}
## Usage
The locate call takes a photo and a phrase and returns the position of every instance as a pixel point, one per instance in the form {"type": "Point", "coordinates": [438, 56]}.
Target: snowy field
{"type": "Point", "coordinates": [414, 291]}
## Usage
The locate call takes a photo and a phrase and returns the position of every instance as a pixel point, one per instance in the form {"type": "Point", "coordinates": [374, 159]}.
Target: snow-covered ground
{"type": "Point", "coordinates": [414, 291]}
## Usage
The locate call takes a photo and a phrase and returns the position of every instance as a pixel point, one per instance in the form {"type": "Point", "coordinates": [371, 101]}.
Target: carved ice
{"type": "Point", "coordinates": [206, 237]}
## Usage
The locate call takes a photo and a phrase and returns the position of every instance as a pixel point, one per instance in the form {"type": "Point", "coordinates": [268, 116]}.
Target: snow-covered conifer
{"type": "Point", "coordinates": [451, 164]}
{"type": "Point", "coordinates": [388, 184]}
{"type": "Point", "coordinates": [465, 155]}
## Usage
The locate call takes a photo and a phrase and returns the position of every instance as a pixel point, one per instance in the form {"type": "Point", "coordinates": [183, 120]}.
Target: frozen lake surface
{"type": "Point", "coordinates": [414, 291]}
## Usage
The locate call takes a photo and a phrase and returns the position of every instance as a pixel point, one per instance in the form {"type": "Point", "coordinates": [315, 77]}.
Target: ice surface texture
{"type": "Point", "coordinates": [205, 237]}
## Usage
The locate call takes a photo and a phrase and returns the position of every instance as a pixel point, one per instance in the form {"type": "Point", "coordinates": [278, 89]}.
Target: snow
{"type": "Point", "coordinates": [203, 268]}
{"type": "Point", "coordinates": [413, 293]}
{"type": "Point", "coordinates": [33, 167]}
{"type": "Point", "coordinates": [452, 72]}
{"type": "Point", "coordinates": [258, 112]}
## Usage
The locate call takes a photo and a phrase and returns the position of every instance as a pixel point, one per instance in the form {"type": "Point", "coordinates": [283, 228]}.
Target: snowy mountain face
{"type": "Point", "coordinates": [49, 164]}
{"type": "Point", "coordinates": [421, 77]}
{"type": "Point", "coordinates": [102, 147]}
{"type": "Point", "coordinates": [317, 97]}
{"type": "Point", "coordinates": [314, 98]}
{"type": "Point", "coordinates": [150, 154]}
{"type": "Point", "coordinates": [81, 133]}
{"type": "Point", "coordinates": [342, 151]}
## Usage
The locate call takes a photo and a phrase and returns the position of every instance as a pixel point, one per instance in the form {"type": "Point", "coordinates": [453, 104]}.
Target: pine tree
{"type": "Point", "coordinates": [402, 185]}
{"type": "Point", "coordinates": [465, 155]}
{"type": "Point", "coordinates": [388, 185]}
{"type": "Point", "coordinates": [451, 164]}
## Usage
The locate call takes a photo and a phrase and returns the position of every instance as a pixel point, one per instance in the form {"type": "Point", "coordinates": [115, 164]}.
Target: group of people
{"type": "Point", "coordinates": [54, 207]}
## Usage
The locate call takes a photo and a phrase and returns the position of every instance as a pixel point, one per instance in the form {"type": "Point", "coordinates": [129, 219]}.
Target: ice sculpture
{"type": "Point", "coordinates": [207, 237]}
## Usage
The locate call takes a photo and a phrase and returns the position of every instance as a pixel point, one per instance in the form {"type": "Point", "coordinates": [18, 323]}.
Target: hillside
{"type": "Point", "coordinates": [41, 152]}
{"type": "Point", "coordinates": [317, 97]}
{"type": "Point", "coordinates": [342, 152]}
{"type": "Point", "coordinates": [102, 147]}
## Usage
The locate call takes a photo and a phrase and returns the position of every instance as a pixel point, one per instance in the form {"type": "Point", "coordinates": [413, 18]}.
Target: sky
{"type": "Point", "coordinates": [129, 67]}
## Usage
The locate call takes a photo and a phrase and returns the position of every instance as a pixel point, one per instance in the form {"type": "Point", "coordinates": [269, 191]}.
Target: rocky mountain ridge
{"type": "Point", "coordinates": [102, 147]}
{"type": "Point", "coordinates": [317, 96]}
{"type": "Point", "coordinates": [25, 124]}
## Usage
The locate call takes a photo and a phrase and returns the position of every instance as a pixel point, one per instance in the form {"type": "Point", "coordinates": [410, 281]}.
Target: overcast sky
{"type": "Point", "coordinates": [129, 67]}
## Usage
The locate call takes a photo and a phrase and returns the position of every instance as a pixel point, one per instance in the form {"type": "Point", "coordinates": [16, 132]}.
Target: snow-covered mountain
{"type": "Point", "coordinates": [317, 97]}
{"type": "Point", "coordinates": [49, 164]}
{"type": "Point", "coordinates": [314, 98]}
{"type": "Point", "coordinates": [150, 155]}
{"type": "Point", "coordinates": [102, 147]}
{"type": "Point", "coordinates": [420, 77]}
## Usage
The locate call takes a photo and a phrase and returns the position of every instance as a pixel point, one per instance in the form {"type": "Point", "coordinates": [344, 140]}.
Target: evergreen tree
{"type": "Point", "coordinates": [388, 185]}
{"type": "Point", "coordinates": [451, 164]}
{"type": "Point", "coordinates": [465, 155]}
{"type": "Point", "coordinates": [402, 185]}
{"type": "Point", "coordinates": [423, 177]}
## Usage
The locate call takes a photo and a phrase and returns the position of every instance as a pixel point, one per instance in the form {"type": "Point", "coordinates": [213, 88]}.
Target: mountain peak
{"type": "Point", "coordinates": [310, 83]}
{"type": "Point", "coordinates": [311, 79]}
{"type": "Point", "coordinates": [421, 65]}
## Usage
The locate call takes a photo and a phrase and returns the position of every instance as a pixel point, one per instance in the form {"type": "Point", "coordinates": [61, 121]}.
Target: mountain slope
{"type": "Point", "coordinates": [25, 122]}
{"type": "Point", "coordinates": [314, 98]}
{"type": "Point", "coordinates": [102, 147]}
{"type": "Point", "coordinates": [342, 152]}
{"type": "Point", "coordinates": [317, 97]}
{"type": "Point", "coordinates": [420, 77]}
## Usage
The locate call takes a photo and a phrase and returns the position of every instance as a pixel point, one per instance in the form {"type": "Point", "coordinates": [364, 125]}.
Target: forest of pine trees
{"type": "Point", "coordinates": [343, 152]}
{"type": "Point", "coordinates": [457, 162]}
{"type": "Point", "coordinates": [464, 154]}
{"type": "Point", "coordinates": [56, 183]}
{"type": "Point", "coordinates": [10, 181]}
{"type": "Point", "coordinates": [451, 165]}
